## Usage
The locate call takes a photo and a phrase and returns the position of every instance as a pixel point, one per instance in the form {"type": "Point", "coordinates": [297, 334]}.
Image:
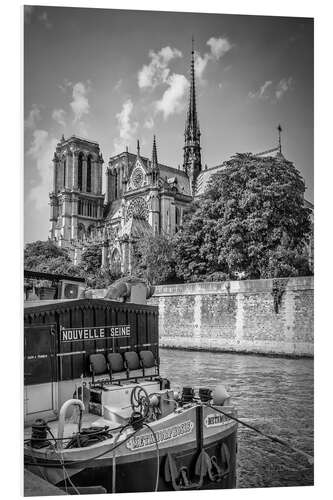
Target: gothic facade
{"type": "Point", "coordinates": [142, 195]}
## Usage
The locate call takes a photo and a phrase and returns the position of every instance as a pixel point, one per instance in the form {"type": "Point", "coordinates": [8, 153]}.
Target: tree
{"type": "Point", "coordinates": [154, 259]}
{"type": "Point", "coordinates": [90, 267]}
{"type": "Point", "coordinates": [45, 256]}
{"type": "Point", "coordinates": [102, 278]}
{"type": "Point", "coordinates": [91, 258]}
{"type": "Point", "coordinates": [251, 223]}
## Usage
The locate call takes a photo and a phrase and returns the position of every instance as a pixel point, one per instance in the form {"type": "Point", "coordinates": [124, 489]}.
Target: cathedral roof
{"type": "Point", "coordinates": [136, 227]}
{"type": "Point", "coordinates": [171, 171]}
{"type": "Point", "coordinates": [204, 176]}
{"type": "Point", "coordinates": [113, 210]}
{"type": "Point", "coordinates": [165, 169]}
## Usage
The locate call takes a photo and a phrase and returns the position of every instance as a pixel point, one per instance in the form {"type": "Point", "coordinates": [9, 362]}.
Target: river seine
{"type": "Point", "coordinates": [273, 394]}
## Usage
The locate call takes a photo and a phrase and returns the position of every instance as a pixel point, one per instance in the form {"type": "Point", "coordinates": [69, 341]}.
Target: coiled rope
{"type": "Point", "coordinates": [84, 461]}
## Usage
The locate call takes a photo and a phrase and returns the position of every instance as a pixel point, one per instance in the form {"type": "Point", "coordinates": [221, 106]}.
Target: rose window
{"type": "Point", "coordinates": [137, 178]}
{"type": "Point", "coordinates": [137, 208]}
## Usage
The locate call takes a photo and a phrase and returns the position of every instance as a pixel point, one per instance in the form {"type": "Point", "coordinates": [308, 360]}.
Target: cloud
{"type": "Point", "coordinates": [273, 92]}
{"type": "Point", "coordinates": [81, 130]}
{"type": "Point", "coordinates": [118, 84]}
{"type": "Point", "coordinates": [200, 63]}
{"type": "Point", "coordinates": [283, 86]}
{"type": "Point", "coordinates": [59, 116]}
{"type": "Point", "coordinates": [33, 117]}
{"type": "Point", "coordinates": [262, 92]}
{"type": "Point", "coordinates": [80, 103]}
{"type": "Point", "coordinates": [126, 126]}
{"type": "Point", "coordinates": [65, 85]}
{"type": "Point", "coordinates": [219, 46]}
{"type": "Point", "coordinates": [41, 152]}
{"type": "Point", "coordinates": [39, 138]}
{"type": "Point", "coordinates": [126, 129]}
{"type": "Point", "coordinates": [28, 10]}
{"type": "Point", "coordinates": [43, 17]}
{"type": "Point", "coordinates": [157, 71]}
{"type": "Point", "coordinates": [149, 123]}
{"type": "Point", "coordinates": [172, 100]}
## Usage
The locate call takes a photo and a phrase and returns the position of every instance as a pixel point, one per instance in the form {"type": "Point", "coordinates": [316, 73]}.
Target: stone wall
{"type": "Point", "coordinates": [257, 316]}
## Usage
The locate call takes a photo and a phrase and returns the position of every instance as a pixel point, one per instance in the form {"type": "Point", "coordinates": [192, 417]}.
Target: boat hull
{"type": "Point", "coordinates": [140, 476]}
{"type": "Point", "coordinates": [186, 458]}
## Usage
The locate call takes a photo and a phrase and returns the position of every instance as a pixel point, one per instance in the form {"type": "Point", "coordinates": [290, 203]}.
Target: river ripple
{"type": "Point", "coordinates": [273, 394]}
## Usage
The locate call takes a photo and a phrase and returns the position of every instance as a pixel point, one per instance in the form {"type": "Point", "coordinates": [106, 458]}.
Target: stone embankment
{"type": "Point", "coordinates": [272, 316]}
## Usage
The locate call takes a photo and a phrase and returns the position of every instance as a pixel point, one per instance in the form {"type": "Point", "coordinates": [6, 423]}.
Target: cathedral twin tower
{"type": "Point", "coordinates": [142, 196]}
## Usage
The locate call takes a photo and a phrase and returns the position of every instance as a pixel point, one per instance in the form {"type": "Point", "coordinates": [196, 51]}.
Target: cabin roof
{"type": "Point", "coordinates": [45, 306]}
{"type": "Point", "coordinates": [51, 276]}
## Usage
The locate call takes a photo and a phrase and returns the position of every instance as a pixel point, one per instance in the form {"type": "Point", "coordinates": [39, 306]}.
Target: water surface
{"type": "Point", "coordinates": [273, 394]}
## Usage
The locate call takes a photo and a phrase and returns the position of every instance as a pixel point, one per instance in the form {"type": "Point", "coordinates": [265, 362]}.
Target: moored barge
{"type": "Point", "coordinates": [99, 413]}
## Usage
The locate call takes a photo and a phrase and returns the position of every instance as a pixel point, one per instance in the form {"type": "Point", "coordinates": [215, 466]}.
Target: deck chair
{"type": "Point", "coordinates": [132, 363]}
{"type": "Point", "coordinates": [98, 366]}
{"type": "Point", "coordinates": [116, 366]}
{"type": "Point", "coordinates": [149, 364]}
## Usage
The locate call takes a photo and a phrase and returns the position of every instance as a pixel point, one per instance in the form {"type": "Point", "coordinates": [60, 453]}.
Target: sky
{"type": "Point", "coordinates": [116, 76]}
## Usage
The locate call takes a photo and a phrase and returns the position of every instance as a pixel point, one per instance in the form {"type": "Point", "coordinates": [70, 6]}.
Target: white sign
{"type": "Point", "coordinates": [162, 435]}
{"type": "Point", "coordinates": [216, 419]}
{"type": "Point", "coordinates": [94, 333]}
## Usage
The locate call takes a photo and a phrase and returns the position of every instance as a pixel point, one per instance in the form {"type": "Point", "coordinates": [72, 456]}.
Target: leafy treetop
{"type": "Point", "coordinates": [154, 258]}
{"type": "Point", "coordinates": [251, 223]}
{"type": "Point", "coordinates": [45, 256]}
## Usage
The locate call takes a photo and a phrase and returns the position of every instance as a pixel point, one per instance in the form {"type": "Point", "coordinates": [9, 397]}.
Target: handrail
{"type": "Point", "coordinates": [62, 416]}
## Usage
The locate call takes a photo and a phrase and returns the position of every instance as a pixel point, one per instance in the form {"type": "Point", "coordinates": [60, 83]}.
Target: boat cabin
{"type": "Point", "coordinates": [97, 344]}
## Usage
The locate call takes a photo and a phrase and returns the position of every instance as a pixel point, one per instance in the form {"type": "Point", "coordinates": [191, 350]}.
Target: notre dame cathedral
{"type": "Point", "coordinates": [142, 195]}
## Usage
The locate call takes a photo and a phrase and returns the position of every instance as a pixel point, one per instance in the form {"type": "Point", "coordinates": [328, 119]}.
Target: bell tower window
{"type": "Point", "coordinates": [89, 174]}
{"type": "Point", "coordinates": [64, 173]}
{"type": "Point", "coordinates": [79, 171]}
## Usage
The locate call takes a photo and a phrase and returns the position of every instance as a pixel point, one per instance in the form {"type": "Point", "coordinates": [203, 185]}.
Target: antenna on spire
{"type": "Point", "coordinates": [279, 128]}
{"type": "Point", "coordinates": [192, 44]}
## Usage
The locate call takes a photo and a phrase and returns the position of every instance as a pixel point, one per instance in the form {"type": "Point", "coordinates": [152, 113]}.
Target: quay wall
{"type": "Point", "coordinates": [255, 316]}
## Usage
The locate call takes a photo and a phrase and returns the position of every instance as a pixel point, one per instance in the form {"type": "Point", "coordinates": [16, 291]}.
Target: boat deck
{"type": "Point", "coordinates": [71, 425]}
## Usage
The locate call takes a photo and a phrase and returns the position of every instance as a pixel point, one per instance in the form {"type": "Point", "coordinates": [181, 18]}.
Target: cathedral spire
{"type": "Point", "coordinates": [154, 154]}
{"type": "Point", "coordinates": [138, 148]}
{"type": "Point", "coordinates": [192, 109]}
{"type": "Point", "coordinates": [154, 162]}
{"type": "Point", "coordinates": [279, 130]}
{"type": "Point", "coordinates": [192, 149]}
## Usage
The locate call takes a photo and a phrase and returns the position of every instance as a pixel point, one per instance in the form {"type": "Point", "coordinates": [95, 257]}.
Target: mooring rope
{"type": "Point", "coordinates": [275, 439]}
{"type": "Point", "coordinates": [157, 454]}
